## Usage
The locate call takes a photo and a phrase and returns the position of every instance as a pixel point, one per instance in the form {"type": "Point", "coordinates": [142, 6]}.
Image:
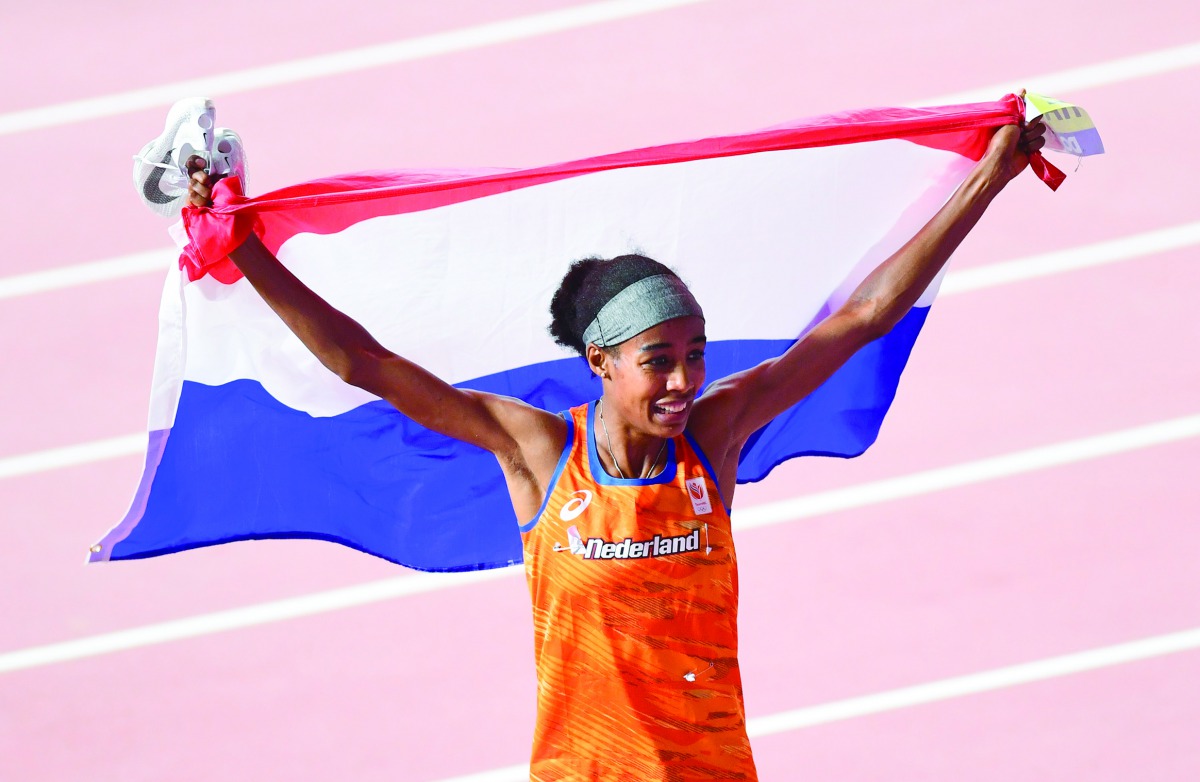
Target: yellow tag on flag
{"type": "Point", "coordinates": [1070, 128]}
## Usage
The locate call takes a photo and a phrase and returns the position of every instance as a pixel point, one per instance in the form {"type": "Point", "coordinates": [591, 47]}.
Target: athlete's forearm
{"type": "Point", "coordinates": [747, 401]}
{"type": "Point", "coordinates": [894, 286]}
{"type": "Point", "coordinates": [335, 338]}
{"type": "Point", "coordinates": [350, 352]}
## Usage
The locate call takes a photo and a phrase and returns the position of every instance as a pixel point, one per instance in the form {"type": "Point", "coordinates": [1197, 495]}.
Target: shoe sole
{"type": "Point", "coordinates": [189, 123]}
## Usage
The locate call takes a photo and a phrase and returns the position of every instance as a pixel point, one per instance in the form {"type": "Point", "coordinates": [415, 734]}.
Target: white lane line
{"type": "Point", "coordinates": [249, 616]}
{"type": "Point", "coordinates": [967, 473]}
{"type": "Point", "coordinates": [932, 692]}
{"type": "Point", "coordinates": [1072, 259]}
{"type": "Point", "coordinates": [1101, 74]}
{"type": "Point", "coordinates": [78, 274]}
{"type": "Point", "coordinates": [407, 50]}
{"type": "Point", "coordinates": [972, 684]}
{"type": "Point", "coordinates": [521, 28]}
{"type": "Point", "coordinates": [72, 455]}
{"type": "Point", "coordinates": [767, 514]}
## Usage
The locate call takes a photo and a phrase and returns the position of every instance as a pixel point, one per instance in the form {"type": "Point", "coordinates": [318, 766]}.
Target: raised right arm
{"type": "Point", "coordinates": [350, 352]}
{"type": "Point", "coordinates": [526, 440]}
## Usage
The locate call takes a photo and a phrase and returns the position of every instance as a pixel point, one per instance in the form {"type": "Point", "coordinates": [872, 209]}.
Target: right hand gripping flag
{"type": "Point", "coordinates": [250, 437]}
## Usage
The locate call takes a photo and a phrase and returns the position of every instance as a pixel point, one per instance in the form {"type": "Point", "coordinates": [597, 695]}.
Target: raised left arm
{"type": "Point", "coordinates": [735, 407]}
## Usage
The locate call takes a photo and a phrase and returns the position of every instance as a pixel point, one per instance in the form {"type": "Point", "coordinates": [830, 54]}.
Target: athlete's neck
{"type": "Point", "coordinates": [625, 452]}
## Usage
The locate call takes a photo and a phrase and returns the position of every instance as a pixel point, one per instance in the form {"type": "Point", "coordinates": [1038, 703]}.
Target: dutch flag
{"type": "Point", "coordinates": [250, 437]}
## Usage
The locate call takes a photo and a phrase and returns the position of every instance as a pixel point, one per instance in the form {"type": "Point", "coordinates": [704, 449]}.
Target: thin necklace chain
{"type": "Point", "coordinates": [613, 456]}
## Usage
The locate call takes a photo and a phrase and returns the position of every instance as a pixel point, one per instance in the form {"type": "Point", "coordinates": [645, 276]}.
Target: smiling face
{"type": "Point", "coordinates": [652, 379]}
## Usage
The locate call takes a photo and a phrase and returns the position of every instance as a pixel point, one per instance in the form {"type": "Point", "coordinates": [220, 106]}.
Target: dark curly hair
{"type": "Point", "coordinates": [587, 286]}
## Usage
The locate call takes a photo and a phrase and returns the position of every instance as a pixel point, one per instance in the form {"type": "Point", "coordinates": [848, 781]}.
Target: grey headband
{"type": "Point", "coordinates": [640, 306]}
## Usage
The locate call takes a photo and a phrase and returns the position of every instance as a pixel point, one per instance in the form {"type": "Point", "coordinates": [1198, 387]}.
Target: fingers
{"type": "Point", "coordinates": [199, 190]}
{"type": "Point", "coordinates": [1033, 136]}
{"type": "Point", "coordinates": [199, 184]}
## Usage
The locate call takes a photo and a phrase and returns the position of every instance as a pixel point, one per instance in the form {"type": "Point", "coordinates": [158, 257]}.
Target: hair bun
{"type": "Point", "coordinates": [587, 286]}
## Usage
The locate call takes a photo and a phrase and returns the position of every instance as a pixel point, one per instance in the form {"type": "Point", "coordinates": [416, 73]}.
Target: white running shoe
{"type": "Point", "coordinates": [160, 169]}
{"type": "Point", "coordinates": [228, 157]}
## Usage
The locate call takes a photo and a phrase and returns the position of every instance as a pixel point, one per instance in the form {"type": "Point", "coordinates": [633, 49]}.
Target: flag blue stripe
{"type": "Point", "coordinates": [240, 465]}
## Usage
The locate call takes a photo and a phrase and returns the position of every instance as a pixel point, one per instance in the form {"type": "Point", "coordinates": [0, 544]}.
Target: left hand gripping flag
{"type": "Point", "coordinates": [250, 437]}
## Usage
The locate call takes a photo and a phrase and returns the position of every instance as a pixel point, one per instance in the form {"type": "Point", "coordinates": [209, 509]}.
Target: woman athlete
{"type": "Point", "coordinates": [624, 502]}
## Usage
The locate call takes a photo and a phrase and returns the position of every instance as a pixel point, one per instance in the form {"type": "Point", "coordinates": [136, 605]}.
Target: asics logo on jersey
{"type": "Point", "coordinates": [576, 505]}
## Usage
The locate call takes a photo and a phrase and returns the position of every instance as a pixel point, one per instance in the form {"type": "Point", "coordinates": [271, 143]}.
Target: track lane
{"type": "Point", "coordinates": [1135, 721]}
{"type": "Point", "coordinates": [254, 40]}
{"type": "Point", "coordinates": [1134, 187]}
{"type": "Point", "coordinates": [174, 44]}
{"type": "Point", "coordinates": [785, 512]}
{"type": "Point", "coordinates": [912, 592]}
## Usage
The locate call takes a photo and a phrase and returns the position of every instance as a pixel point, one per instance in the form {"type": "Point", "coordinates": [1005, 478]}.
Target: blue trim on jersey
{"type": "Point", "coordinates": [604, 479]}
{"type": "Point", "coordinates": [708, 469]}
{"type": "Point", "coordinates": [558, 470]}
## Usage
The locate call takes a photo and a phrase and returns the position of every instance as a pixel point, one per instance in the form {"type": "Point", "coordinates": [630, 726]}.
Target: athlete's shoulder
{"type": "Point", "coordinates": [536, 441]}
{"type": "Point", "coordinates": [523, 421]}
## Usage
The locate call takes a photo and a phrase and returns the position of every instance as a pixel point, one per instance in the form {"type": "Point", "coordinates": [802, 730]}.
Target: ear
{"type": "Point", "coordinates": [598, 360]}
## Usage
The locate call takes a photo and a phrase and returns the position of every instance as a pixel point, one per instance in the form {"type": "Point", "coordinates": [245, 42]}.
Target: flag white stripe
{"type": "Point", "coordinates": [861, 495]}
{"type": "Point", "coordinates": [666, 211]}
{"type": "Point", "coordinates": [933, 692]}
{"type": "Point", "coordinates": [407, 50]}
{"type": "Point", "coordinates": [1125, 248]}
{"type": "Point", "coordinates": [1141, 245]}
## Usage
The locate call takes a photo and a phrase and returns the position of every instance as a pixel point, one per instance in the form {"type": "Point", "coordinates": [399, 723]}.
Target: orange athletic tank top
{"type": "Point", "coordinates": [634, 588]}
